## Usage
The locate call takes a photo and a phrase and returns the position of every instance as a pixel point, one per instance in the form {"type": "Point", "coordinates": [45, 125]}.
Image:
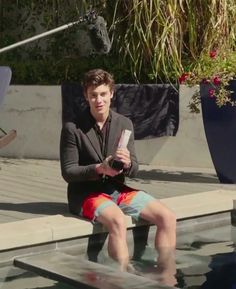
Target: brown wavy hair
{"type": "Point", "coordinates": [96, 77]}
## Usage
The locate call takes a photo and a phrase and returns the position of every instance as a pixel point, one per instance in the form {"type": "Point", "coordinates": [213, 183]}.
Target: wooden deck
{"type": "Point", "coordinates": [32, 188]}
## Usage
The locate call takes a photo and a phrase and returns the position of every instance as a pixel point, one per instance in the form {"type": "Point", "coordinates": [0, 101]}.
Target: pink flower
{"type": "Point", "coordinates": [213, 53]}
{"type": "Point", "coordinates": [216, 80]}
{"type": "Point", "coordinates": [183, 77]}
{"type": "Point", "coordinates": [211, 92]}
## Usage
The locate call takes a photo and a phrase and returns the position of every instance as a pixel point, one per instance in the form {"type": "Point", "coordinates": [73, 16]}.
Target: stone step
{"type": "Point", "coordinates": [79, 272]}
{"type": "Point", "coordinates": [59, 227]}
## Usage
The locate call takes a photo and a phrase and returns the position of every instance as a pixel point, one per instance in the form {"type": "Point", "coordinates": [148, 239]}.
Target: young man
{"type": "Point", "coordinates": [96, 191]}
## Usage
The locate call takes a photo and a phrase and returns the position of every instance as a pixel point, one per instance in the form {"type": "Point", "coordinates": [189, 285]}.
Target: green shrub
{"type": "Point", "coordinates": [152, 40]}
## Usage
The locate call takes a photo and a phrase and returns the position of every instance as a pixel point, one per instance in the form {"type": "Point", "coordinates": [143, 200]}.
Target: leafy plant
{"type": "Point", "coordinates": [146, 33]}
{"type": "Point", "coordinates": [216, 68]}
{"type": "Point", "coordinates": [152, 40]}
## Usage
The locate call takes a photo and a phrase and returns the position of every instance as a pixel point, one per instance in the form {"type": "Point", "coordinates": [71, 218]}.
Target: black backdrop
{"type": "Point", "coordinates": [153, 108]}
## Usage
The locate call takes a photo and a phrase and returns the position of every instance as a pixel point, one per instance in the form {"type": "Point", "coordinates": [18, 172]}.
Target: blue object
{"type": "Point", "coordinates": [5, 78]}
{"type": "Point", "coordinates": [220, 129]}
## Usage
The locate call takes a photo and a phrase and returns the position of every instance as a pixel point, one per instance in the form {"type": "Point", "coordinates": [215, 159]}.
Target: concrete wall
{"type": "Point", "coordinates": [35, 112]}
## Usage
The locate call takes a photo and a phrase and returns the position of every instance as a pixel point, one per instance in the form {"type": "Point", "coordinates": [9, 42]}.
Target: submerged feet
{"type": "Point", "coordinates": [150, 266]}
{"type": "Point", "coordinates": [160, 266]}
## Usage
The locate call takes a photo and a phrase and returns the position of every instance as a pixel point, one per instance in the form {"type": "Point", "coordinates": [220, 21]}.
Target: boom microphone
{"type": "Point", "coordinates": [97, 30]}
{"type": "Point", "coordinates": [99, 35]}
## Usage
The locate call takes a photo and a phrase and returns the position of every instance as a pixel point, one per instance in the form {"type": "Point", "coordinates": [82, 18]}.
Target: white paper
{"type": "Point", "coordinates": [124, 138]}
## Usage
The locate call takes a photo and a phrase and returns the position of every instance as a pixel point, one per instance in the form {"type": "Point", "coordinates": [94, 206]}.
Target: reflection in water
{"type": "Point", "coordinates": [159, 266]}
{"type": "Point", "coordinates": [150, 270]}
{"type": "Point", "coordinates": [148, 265]}
{"type": "Point", "coordinates": [20, 279]}
{"type": "Point", "coordinates": [223, 272]}
{"type": "Point", "coordinates": [205, 262]}
{"type": "Point", "coordinates": [219, 273]}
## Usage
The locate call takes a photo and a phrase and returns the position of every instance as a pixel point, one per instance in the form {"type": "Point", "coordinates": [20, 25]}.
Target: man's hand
{"type": "Point", "coordinates": [105, 169]}
{"type": "Point", "coordinates": [123, 155]}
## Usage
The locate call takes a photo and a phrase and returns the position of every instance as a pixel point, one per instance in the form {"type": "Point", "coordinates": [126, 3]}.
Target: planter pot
{"type": "Point", "coordinates": [220, 129]}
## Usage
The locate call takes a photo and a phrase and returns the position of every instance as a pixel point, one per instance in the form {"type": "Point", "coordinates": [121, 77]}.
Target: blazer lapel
{"type": "Point", "coordinates": [88, 129]}
{"type": "Point", "coordinates": [91, 134]}
{"type": "Point", "coordinates": [113, 137]}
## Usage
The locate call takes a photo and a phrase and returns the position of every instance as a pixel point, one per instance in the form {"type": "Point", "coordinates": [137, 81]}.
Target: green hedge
{"type": "Point", "coordinates": [152, 40]}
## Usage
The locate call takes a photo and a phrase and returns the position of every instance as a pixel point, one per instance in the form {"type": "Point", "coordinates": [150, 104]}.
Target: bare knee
{"type": "Point", "coordinates": [166, 220]}
{"type": "Point", "coordinates": [114, 219]}
{"type": "Point", "coordinates": [117, 224]}
{"type": "Point", "coordinates": [160, 215]}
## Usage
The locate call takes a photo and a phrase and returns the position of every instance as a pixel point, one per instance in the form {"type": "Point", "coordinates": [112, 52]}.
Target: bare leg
{"type": "Point", "coordinates": [158, 214]}
{"type": "Point", "coordinates": [165, 239]}
{"type": "Point", "coordinates": [114, 219]}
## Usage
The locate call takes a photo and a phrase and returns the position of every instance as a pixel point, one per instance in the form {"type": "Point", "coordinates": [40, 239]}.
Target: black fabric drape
{"type": "Point", "coordinates": [153, 108]}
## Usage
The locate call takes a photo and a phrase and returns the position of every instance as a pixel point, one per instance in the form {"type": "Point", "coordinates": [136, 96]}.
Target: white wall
{"type": "Point", "coordinates": [35, 112]}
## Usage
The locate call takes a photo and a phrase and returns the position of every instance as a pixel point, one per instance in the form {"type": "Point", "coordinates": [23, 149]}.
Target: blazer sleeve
{"type": "Point", "coordinates": [69, 158]}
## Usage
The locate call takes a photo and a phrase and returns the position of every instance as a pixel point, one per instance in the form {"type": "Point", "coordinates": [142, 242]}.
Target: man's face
{"type": "Point", "coordinates": [99, 99]}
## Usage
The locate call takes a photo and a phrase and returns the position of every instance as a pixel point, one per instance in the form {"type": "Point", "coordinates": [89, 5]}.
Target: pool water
{"type": "Point", "coordinates": [20, 279]}
{"type": "Point", "coordinates": [217, 271]}
{"type": "Point", "coordinates": [204, 260]}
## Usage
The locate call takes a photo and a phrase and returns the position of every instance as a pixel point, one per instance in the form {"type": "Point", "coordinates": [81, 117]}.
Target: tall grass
{"type": "Point", "coordinates": [153, 40]}
{"type": "Point", "coordinates": [159, 38]}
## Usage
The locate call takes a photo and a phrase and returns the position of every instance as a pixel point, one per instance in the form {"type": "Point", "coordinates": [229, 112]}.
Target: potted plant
{"type": "Point", "coordinates": [214, 72]}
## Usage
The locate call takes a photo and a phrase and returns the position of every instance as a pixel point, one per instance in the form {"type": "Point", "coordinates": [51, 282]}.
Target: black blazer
{"type": "Point", "coordinates": [80, 152]}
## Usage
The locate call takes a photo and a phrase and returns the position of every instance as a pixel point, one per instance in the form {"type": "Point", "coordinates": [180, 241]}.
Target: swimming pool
{"type": "Point", "coordinates": [15, 278]}
{"type": "Point", "coordinates": [205, 259]}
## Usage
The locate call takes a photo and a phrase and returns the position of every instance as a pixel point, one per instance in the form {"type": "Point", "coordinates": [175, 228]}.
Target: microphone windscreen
{"type": "Point", "coordinates": [99, 35]}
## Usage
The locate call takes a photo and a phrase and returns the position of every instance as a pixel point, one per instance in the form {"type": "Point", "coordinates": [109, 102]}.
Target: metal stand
{"type": "Point", "coordinates": [89, 17]}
